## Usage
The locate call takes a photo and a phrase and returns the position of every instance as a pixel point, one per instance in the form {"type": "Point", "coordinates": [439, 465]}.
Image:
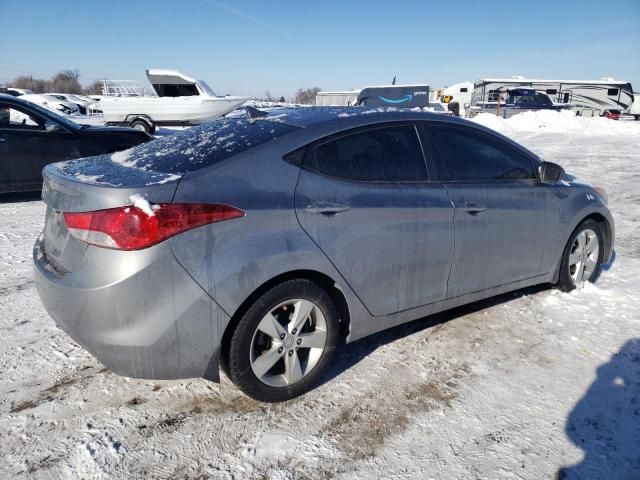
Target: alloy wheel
{"type": "Point", "coordinates": [583, 256]}
{"type": "Point", "coordinates": [288, 343]}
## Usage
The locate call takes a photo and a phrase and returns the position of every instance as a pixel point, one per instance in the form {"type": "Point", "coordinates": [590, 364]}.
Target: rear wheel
{"type": "Point", "coordinates": [582, 256]}
{"type": "Point", "coordinates": [284, 342]}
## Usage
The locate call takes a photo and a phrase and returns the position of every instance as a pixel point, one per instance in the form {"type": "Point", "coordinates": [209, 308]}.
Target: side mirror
{"type": "Point", "coordinates": [551, 172]}
{"type": "Point", "coordinates": [52, 127]}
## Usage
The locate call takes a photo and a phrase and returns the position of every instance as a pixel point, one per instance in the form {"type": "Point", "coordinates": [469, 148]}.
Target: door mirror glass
{"type": "Point", "coordinates": [551, 172]}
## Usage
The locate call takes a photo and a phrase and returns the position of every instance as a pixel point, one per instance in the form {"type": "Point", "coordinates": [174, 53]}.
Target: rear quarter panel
{"type": "Point", "coordinates": [231, 259]}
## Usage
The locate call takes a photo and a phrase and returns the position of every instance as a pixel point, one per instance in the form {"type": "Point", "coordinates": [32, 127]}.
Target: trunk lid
{"type": "Point", "coordinates": [88, 185]}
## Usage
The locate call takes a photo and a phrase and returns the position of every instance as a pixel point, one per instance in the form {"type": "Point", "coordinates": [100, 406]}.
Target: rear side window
{"type": "Point", "coordinates": [386, 154]}
{"type": "Point", "coordinates": [469, 155]}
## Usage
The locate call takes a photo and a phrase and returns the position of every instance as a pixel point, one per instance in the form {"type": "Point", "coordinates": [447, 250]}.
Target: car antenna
{"type": "Point", "coordinates": [255, 113]}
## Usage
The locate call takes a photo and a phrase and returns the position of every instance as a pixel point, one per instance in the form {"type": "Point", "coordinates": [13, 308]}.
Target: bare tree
{"type": "Point", "coordinates": [95, 88]}
{"type": "Point", "coordinates": [268, 97]}
{"type": "Point", "coordinates": [67, 81]}
{"type": "Point", "coordinates": [307, 96]}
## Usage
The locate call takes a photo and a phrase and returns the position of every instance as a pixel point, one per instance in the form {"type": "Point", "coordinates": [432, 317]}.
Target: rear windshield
{"type": "Point", "coordinates": [201, 146]}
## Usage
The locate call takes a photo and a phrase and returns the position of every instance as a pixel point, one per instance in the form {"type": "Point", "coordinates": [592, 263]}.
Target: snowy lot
{"type": "Point", "coordinates": [515, 387]}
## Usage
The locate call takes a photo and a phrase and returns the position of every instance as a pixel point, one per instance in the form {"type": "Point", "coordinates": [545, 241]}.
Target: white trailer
{"type": "Point", "coordinates": [585, 97]}
{"type": "Point", "coordinates": [337, 99]}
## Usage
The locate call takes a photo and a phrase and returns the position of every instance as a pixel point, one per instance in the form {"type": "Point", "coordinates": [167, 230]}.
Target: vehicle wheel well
{"type": "Point", "coordinates": [606, 232]}
{"type": "Point", "coordinates": [319, 278]}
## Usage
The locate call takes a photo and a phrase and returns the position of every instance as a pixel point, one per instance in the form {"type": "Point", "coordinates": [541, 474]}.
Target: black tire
{"type": "Point", "coordinates": [565, 282]}
{"type": "Point", "coordinates": [238, 363]}
{"type": "Point", "coordinates": [144, 126]}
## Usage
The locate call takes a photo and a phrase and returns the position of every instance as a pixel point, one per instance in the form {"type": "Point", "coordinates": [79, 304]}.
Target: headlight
{"type": "Point", "coordinates": [603, 194]}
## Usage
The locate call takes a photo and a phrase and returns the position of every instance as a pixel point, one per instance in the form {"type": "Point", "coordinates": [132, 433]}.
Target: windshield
{"type": "Point", "coordinates": [53, 115]}
{"type": "Point", "coordinates": [206, 88]}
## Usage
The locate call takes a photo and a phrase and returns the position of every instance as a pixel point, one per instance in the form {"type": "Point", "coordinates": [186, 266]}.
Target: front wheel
{"type": "Point", "coordinates": [582, 256]}
{"type": "Point", "coordinates": [284, 342]}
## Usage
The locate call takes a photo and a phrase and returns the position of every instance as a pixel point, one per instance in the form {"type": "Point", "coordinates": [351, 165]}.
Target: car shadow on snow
{"type": "Point", "coordinates": [348, 356]}
{"type": "Point", "coordinates": [605, 423]}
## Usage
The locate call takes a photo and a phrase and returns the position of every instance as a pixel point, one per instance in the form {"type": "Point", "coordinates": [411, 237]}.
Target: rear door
{"type": "Point", "coordinates": [366, 200]}
{"type": "Point", "coordinates": [506, 222]}
{"type": "Point", "coordinates": [21, 148]}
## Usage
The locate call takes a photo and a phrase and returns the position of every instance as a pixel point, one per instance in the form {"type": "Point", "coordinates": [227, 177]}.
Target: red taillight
{"type": "Point", "coordinates": [130, 228]}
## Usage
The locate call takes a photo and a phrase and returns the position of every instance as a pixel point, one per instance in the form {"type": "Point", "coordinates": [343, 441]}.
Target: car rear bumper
{"type": "Point", "coordinates": [139, 313]}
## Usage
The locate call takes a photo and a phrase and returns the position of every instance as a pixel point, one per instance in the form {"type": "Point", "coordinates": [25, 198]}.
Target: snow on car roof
{"type": "Point", "coordinates": [307, 116]}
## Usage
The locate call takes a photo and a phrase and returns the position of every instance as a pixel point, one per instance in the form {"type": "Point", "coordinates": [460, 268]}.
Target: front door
{"type": "Point", "coordinates": [366, 200]}
{"type": "Point", "coordinates": [21, 148]}
{"type": "Point", "coordinates": [505, 220]}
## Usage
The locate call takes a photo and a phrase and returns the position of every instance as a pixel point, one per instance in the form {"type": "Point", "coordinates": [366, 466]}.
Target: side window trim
{"type": "Point", "coordinates": [311, 149]}
{"type": "Point", "coordinates": [428, 131]}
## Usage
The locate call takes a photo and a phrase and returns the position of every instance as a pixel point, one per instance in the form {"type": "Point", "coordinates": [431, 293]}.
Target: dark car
{"type": "Point", "coordinates": [31, 137]}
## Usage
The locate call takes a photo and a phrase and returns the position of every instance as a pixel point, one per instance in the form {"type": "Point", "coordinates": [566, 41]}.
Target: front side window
{"type": "Point", "coordinates": [11, 117]}
{"type": "Point", "coordinates": [386, 154]}
{"type": "Point", "coordinates": [464, 154]}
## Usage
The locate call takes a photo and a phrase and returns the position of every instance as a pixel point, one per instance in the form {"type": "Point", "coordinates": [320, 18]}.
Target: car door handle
{"type": "Point", "coordinates": [473, 209]}
{"type": "Point", "coordinates": [2, 140]}
{"type": "Point", "coordinates": [326, 209]}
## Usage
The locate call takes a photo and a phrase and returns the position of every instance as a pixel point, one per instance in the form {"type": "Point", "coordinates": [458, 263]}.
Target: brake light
{"type": "Point", "coordinates": [132, 228]}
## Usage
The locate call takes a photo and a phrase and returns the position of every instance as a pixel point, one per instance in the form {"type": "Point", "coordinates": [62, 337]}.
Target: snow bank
{"type": "Point", "coordinates": [557, 122]}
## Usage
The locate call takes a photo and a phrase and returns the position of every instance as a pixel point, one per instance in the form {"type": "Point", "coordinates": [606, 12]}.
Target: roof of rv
{"type": "Point", "coordinates": [537, 80]}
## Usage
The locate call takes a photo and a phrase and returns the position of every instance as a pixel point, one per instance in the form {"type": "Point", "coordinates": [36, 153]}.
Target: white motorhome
{"type": "Point", "coordinates": [337, 99]}
{"type": "Point", "coordinates": [457, 96]}
{"type": "Point", "coordinates": [585, 97]}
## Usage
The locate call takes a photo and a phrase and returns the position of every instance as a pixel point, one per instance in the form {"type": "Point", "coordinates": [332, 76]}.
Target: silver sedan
{"type": "Point", "coordinates": [255, 245]}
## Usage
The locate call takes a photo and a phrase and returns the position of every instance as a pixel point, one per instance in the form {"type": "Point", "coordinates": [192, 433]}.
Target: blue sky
{"type": "Point", "coordinates": [250, 46]}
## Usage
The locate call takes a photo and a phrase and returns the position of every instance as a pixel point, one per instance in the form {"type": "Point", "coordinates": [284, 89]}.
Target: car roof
{"type": "Point", "coordinates": [304, 117]}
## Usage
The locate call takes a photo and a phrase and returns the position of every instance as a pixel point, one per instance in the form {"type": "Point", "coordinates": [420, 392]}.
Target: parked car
{"type": "Point", "coordinates": [17, 92]}
{"type": "Point", "coordinates": [612, 114]}
{"type": "Point", "coordinates": [257, 244]}
{"type": "Point", "coordinates": [52, 103]}
{"type": "Point", "coordinates": [32, 136]}
{"type": "Point", "coordinates": [85, 105]}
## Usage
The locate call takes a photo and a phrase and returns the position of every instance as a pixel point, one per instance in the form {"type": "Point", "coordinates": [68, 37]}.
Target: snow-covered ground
{"type": "Point", "coordinates": [518, 387]}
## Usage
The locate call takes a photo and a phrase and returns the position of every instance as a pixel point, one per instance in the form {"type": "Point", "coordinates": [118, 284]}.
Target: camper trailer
{"type": "Point", "coordinates": [337, 99]}
{"type": "Point", "coordinates": [585, 97]}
